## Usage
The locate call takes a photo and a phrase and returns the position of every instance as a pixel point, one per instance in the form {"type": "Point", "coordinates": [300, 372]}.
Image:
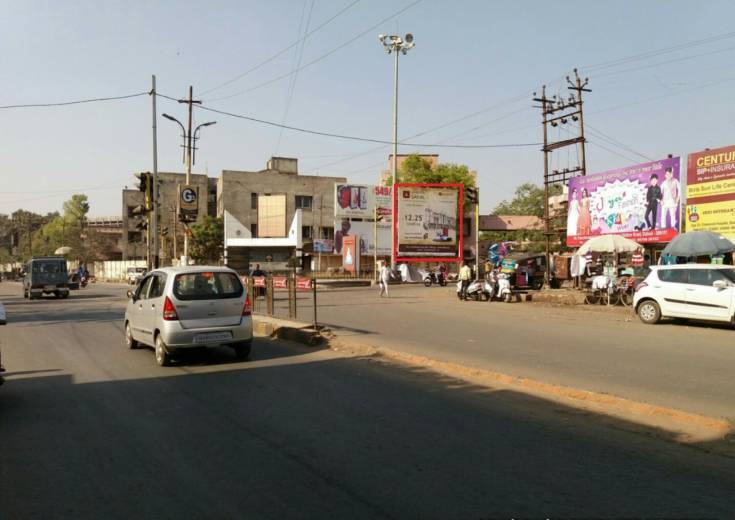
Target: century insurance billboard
{"type": "Point", "coordinates": [360, 200]}
{"type": "Point", "coordinates": [711, 191]}
{"type": "Point", "coordinates": [428, 224]}
{"type": "Point", "coordinates": [641, 202]}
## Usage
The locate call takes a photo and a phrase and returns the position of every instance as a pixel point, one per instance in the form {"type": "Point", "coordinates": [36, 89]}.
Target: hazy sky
{"type": "Point", "coordinates": [470, 56]}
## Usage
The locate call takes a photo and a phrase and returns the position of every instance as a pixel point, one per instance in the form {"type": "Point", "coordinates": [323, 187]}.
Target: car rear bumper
{"type": "Point", "coordinates": [50, 288]}
{"type": "Point", "coordinates": [176, 337]}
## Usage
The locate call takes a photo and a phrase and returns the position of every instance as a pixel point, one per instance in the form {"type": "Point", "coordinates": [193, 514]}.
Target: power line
{"type": "Point", "coordinates": [615, 142]}
{"type": "Point", "coordinates": [77, 102]}
{"type": "Point", "coordinates": [320, 58]}
{"type": "Point", "coordinates": [355, 138]}
{"type": "Point", "coordinates": [294, 78]}
{"type": "Point", "coordinates": [282, 51]}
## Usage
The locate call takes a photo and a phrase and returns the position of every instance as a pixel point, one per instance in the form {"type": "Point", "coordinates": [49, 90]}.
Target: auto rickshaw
{"type": "Point", "coordinates": [526, 270]}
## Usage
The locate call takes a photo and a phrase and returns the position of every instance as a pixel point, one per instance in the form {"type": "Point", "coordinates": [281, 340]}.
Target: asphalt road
{"type": "Point", "coordinates": [89, 429]}
{"type": "Point", "coordinates": [687, 366]}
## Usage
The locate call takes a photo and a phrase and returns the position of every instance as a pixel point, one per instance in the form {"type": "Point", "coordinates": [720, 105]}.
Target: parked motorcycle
{"type": "Point", "coordinates": [500, 287]}
{"type": "Point", "coordinates": [434, 278]}
{"type": "Point", "coordinates": [477, 290]}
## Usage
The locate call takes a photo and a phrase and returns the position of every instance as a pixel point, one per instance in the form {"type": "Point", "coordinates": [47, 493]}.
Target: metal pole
{"type": "Point", "coordinates": [477, 235]}
{"type": "Point", "coordinates": [188, 169]}
{"type": "Point", "coordinates": [395, 143]}
{"type": "Point", "coordinates": [156, 244]}
{"type": "Point", "coordinates": [375, 244]}
{"type": "Point", "coordinates": [313, 291]}
{"type": "Point", "coordinates": [581, 124]}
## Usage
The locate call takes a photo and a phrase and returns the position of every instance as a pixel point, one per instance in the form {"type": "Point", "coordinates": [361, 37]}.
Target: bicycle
{"type": "Point", "coordinates": [602, 290]}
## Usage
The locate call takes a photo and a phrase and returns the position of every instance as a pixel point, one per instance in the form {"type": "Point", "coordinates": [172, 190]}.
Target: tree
{"type": "Point", "coordinates": [76, 208]}
{"type": "Point", "coordinates": [207, 240]}
{"type": "Point", "coordinates": [417, 169]}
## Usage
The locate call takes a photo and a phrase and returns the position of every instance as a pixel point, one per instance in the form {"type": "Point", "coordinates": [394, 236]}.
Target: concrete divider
{"type": "Point", "coordinates": [297, 331]}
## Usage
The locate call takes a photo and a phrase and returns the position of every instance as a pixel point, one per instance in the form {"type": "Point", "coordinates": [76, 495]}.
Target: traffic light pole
{"type": "Point", "coordinates": [156, 243]}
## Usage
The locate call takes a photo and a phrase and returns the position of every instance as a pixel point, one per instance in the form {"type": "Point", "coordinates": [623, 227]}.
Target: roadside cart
{"type": "Point", "coordinates": [526, 270]}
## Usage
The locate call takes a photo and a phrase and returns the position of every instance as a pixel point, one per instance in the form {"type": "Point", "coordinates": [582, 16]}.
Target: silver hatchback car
{"type": "Point", "coordinates": [183, 307]}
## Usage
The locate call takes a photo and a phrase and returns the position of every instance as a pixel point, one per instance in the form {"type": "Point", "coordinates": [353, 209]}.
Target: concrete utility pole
{"type": "Point", "coordinates": [397, 45]}
{"type": "Point", "coordinates": [156, 243]}
{"type": "Point", "coordinates": [556, 111]}
{"type": "Point", "coordinates": [190, 102]}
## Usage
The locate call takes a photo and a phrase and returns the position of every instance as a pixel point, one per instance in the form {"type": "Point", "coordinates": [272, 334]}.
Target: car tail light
{"type": "Point", "coordinates": [247, 309]}
{"type": "Point", "coordinates": [169, 311]}
{"type": "Point", "coordinates": [641, 286]}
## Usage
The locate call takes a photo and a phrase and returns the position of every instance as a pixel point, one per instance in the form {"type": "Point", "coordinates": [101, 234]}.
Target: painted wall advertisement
{"type": "Point", "coordinates": [365, 231]}
{"type": "Point", "coordinates": [360, 201]}
{"type": "Point", "coordinates": [427, 226]}
{"type": "Point", "coordinates": [711, 191]}
{"type": "Point", "coordinates": [641, 202]}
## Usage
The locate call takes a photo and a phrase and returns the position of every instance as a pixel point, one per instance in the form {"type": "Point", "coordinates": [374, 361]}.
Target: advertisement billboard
{"type": "Point", "coordinates": [640, 202]}
{"type": "Point", "coordinates": [428, 226]}
{"type": "Point", "coordinates": [350, 258]}
{"type": "Point", "coordinates": [360, 200]}
{"type": "Point", "coordinates": [366, 233]}
{"type": "Point", "coordinates": [711, 191]}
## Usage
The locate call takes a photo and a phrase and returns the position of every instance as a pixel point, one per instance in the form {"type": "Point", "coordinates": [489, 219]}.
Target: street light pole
{"type": "Point", "coordinates": [395, 44]}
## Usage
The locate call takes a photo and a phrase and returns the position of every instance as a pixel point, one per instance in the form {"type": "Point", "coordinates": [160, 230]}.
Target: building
{"type": "Point", "coordinates": [133, 243]}
{"type": "Point", "coordinates": [112, 228]}
{"type": "Point", "coordinates": [263, 204]}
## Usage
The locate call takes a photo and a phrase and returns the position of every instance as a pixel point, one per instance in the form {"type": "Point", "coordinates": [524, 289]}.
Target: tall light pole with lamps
{"type": "Point", "coordinates": [396, 45]}
{"type": "Point", "coordinates": [188, 159]}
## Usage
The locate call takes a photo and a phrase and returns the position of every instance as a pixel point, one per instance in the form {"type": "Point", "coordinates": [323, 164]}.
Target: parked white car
{"type": "Point", "coordinates": [183, 307]}
{"type": "Point", "coordinates": [694, 291]}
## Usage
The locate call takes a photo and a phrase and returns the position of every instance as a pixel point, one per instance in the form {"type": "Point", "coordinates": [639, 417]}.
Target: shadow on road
{"type": "Point", "coordinates": [325, 437]}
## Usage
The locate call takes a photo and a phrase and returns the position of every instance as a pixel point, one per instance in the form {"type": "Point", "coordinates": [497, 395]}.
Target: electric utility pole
{"type": "Point", "coordinates": [555, 111]}
{"type": "Point", "coordinates": [191, 102]}
{"type": "Point", "coordinates": [156, 241]}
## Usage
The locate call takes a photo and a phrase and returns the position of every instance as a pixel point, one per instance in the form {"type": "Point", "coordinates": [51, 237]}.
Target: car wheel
{"type": "Point", "coordinates": [163, 358]}
{"type": "Point", "coordinates": [129, 341]}
{"type": "Point", "coordinates": [649, 312]}
{"type": "Point", "coordinates": [242, 349]}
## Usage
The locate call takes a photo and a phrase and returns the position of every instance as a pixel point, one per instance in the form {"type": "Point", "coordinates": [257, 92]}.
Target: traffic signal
{"type": "Point", "coordinates": [164, 231]}
{"type": "Point", "coordinates": [473, 194]}
{"type": "Point", "coordinates": [138, 211]}
{"type": "Point", "coordinates": [143, 181]}
{"type": "Point", "coordinates": [142, 225]}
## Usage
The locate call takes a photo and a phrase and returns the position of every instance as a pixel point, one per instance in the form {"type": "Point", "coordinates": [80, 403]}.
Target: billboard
{"type": "Point", "coordinates": [640, 202]}
{"type": "Point", "coordinates": [428, 226]}
{"type": "Point", "coordinates": [360, 200]}
{"type": "Point", "coordinates": [711, 191]}
{"type": "Point", "coordinates": [350, 258]}
{"type": "Point", "coordinates": [366, 233]}
{"type": "Point", "coordinates": [271, 216]}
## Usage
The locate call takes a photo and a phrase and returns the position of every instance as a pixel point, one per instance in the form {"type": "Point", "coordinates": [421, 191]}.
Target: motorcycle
{"type": "Point", "coordinates": [434, 278]}
{"type": "Point", "coordinates": [500, 287]}
{"type": "Point", "coordinates": [477, 290]}
{"type": "Point", "coordinates": [83, 281]}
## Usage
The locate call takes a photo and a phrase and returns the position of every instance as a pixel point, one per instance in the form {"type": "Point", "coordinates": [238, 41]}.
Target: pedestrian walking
{"type": "Point", "coordinates": [385, 275]}
{"type": "Point", "coordinates": [465, 275]}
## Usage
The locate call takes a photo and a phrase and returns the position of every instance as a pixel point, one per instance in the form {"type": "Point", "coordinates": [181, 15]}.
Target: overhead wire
{"type": "Point", "coordinates": [76, 102]}
{"type": "Point", "coordinates": [320, 58]}
{"type": "Point", "coordinates": [282, 51]}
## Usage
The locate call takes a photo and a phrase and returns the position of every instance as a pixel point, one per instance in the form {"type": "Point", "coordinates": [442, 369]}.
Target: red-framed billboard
{"type": "Point", "coordinates": [428, 225]}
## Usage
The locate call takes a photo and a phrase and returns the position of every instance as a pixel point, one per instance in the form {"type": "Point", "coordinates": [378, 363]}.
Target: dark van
{"type": "Point", "coordinates": [46, 275]}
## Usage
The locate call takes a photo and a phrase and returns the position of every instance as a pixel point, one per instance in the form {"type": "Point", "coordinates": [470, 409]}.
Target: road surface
{"type": "Point", "coordinates": [92, 430]}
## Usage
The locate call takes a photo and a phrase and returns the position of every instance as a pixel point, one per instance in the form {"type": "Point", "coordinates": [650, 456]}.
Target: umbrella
{"type": "Point", "coordinates": [64, 250]}
{"type": "Point", "coordinates": [698, 243]}
{"type": "Point", "coordinates": [609, 244]}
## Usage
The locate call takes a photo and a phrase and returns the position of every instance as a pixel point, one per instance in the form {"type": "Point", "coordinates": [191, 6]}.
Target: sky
{"type": "Point", "coordinates": [468, 81]}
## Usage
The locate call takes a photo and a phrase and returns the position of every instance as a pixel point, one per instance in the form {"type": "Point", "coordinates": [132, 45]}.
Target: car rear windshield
{"type": "Point", "coordinates": [207, 286]}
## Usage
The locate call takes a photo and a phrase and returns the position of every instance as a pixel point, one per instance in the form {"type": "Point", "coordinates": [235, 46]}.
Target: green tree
{"type": "Point", "coordinates": [417, 169]}
{"type": "Point", "coordinates": [76, 208]}
{"type": "Point", "coordinates": [207, 240]}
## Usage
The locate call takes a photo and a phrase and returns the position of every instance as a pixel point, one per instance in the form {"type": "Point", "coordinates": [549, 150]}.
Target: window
{"type": "Point", "coordinates": [253, 201]}
{"type": "Point", "coordinates": [327, 233]}
{"type": "Point", "coordinates": [143, 288]}
{"type": "Point", "coordinates": [674, 275]}
{"type": "Point", "coordinates": [306, 232]}
{"type": "Point", "coordinates": [207, 286]}
{"type": "Point", "coordinates": [708, 276]}
{"type": "Point", "coordinates": [157, 285]}
{"type": "Point", "coordinates": [303, 201]}
{"type": "Point", "coordinates": [254, 230]}
{"type": "Point", "coordinates": [134, 236]}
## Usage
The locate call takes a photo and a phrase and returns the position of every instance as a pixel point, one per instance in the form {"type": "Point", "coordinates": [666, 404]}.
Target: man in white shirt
{"type": "Point", "coordinates": [671, 190]}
